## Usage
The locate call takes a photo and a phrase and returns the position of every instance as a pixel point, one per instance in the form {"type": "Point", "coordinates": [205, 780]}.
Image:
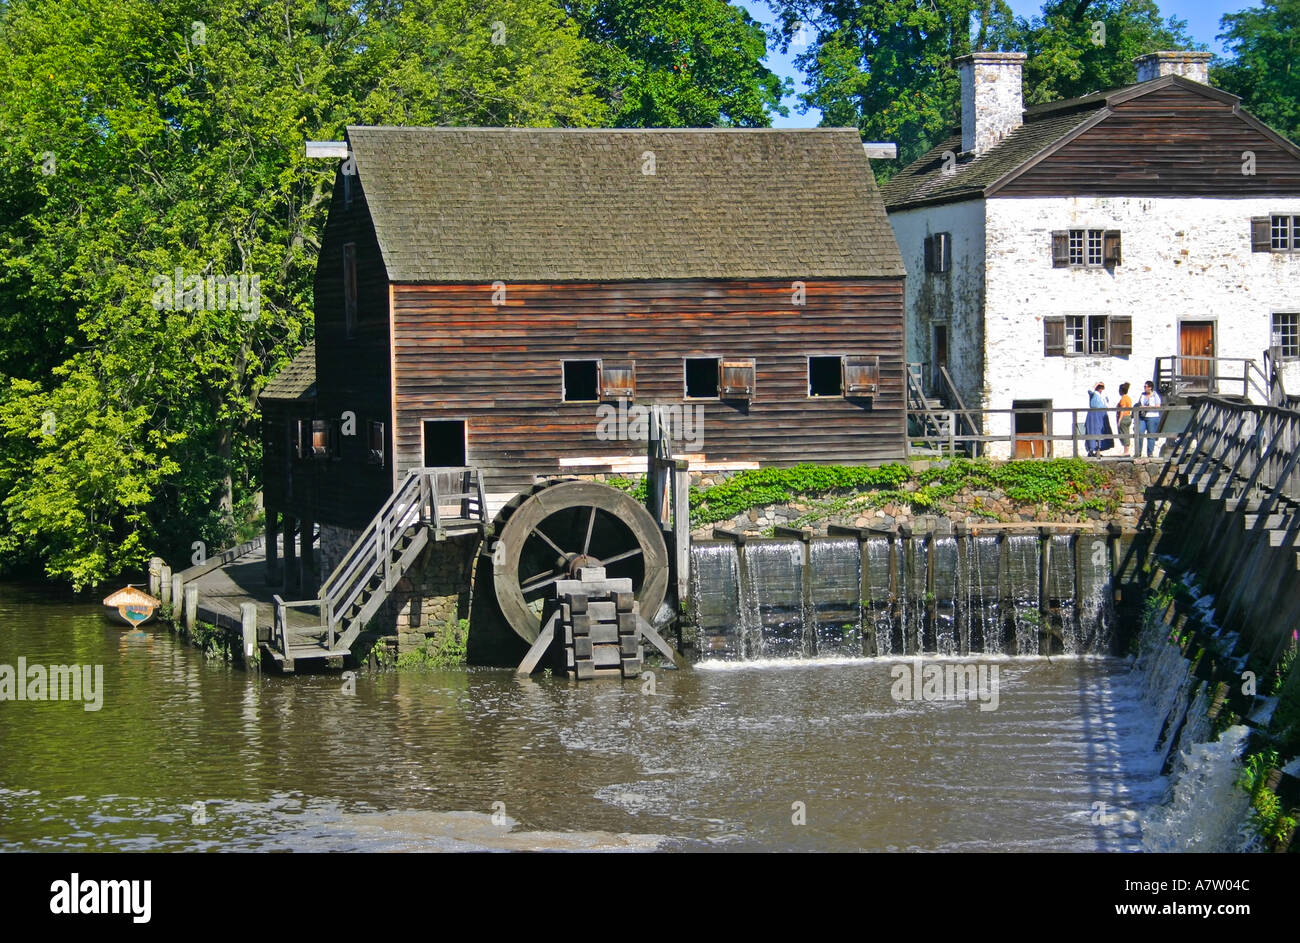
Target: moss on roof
{"type": "Point", "coordinates": [528, 204]}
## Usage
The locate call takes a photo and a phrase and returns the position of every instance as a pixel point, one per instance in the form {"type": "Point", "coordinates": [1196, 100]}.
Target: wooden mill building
{"type": "Point", "coordinates": [498, 298]}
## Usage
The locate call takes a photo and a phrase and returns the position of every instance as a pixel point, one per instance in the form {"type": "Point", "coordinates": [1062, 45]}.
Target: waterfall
{"type": "Point", "coordinates": [715, 588]}
{"type": "Point", "coordinates": [1206, 810]}
{"type": "Point", "coordinates": [947, 590]}
{"type": "Point", "coordinates": [1061, 599]}
{"type": "Point", "coordinates": [925, 594]}
{"type": "Point", "coordinates": [836, 565]}
{"type": "Point", "coordinates": [983, 615]}
{"type": "Point", "coordinates": [882, 623]}
{"type": "Point", "coordinates": [1022, 592]}
{"type": "Point", "coordinates": [776, 576]}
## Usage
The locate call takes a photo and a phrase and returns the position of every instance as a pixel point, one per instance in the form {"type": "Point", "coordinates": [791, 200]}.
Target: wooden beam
{"type": "Point", "coordinates": [544, 639]}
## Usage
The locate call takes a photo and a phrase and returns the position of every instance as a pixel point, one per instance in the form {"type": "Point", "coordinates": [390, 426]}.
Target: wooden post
{"type": "Point", "coordinates": [178, 596]}
{"type": "Point", "coordinates": [155, 575]}
{"type": "Point", "coordinates": [248, 625]}
{"type": "Point", "coordinates": [682, 529]}
{"type": "Point", "coordinates": [305, 533]}
{"type": "Point", "coordinates": [864, 593]}
{"type": "Point", "coordinates": [1044, 586]}
{"type": "Point", "coordinates": [292, 578]}
{"type": "Point", "coordinates": [272, 545]}
{"type": "Point", "coordinates": [191, 615]}
{"type": "Point", "coordinates": [960, 606]}
{"type": "Point", "coordinates": [165, 584]}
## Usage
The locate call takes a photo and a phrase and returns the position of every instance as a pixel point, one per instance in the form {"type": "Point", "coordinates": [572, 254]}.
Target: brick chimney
{"type": "Point", "coordinates": [992, 105]}
{"type": "Point", "coordinates": [1190, 65]}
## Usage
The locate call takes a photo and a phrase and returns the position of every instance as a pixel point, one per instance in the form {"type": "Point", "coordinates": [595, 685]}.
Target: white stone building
{"type": "Point", "coordinates": [1053, 247]}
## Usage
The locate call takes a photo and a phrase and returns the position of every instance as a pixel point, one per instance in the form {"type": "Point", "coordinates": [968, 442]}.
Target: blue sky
{"type": "Point", "coordinates": [1202, 18]}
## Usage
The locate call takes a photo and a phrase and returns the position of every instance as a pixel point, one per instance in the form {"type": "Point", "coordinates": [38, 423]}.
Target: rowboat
{"type": "Point", "coordinates": [130, 606]}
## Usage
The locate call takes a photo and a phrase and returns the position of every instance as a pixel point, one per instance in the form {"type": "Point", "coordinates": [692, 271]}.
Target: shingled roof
{"type": "Point", "coordinates": [526, 204]}
{"type": "Point", "coordinates": [924, 180]}
{"type": "Point", "coordinates": [1046, 128]}
{"type": "Point", "coordinates": [297, 381]}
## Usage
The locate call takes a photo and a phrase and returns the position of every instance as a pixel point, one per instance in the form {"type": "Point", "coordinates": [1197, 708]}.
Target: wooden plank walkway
{"type": "Point", "coordinates": [223, 589]}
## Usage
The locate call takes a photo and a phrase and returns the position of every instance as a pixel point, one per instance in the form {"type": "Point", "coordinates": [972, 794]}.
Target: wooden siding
{"type": "Point", "coordinates": [457, 356]}
{"type": "Point", "coordinates": [1171, 142]}
{"type": "Point", "coordinates": [352, 373]}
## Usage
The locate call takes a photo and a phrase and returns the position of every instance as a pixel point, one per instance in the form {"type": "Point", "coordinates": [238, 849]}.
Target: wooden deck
{"type": "Point", "coordinates": [242, 580]}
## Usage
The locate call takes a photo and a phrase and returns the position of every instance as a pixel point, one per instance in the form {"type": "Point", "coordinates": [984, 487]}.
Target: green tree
{"type": "Point", "coordinates": [1265, 45]}
{"type": "Point", "coordinates": [679, 63]}
{"type": "Point", "coordinates": [1069, 55]}
{"type": "Point", "coordinates": [145, 136]}
{"type": "Point", "coordinates": [884, 66]}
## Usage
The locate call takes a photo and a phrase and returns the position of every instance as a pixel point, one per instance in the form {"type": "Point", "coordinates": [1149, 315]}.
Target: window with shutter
{"type": "Point", "coordinates": [1111, 247]}
{"type": "Point", "coordinates": [617, 379]}
{"type": "Point", "coordinates": [943, 251]}
{"type": "Point", "coordinates": [736, 379]}
{"type": "Point", "coordinates": [1121, 336]}
{"type": "Point", "coordinates": [1261, 237]}
{"type": "Point", "coordinates": [861, 375]}
{"type": "Point", "coordinates": [929, 253]}
{"type": "Point", "coordinates": [1060, 250]}
{"type": "Point", "coordinates": [1054, 337]}
{"type": "Point", "coordinates": [350, 287]}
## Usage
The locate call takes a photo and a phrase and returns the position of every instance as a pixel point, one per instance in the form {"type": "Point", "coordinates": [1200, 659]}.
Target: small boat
{"type": "Point", "coordinates": [130, 606]}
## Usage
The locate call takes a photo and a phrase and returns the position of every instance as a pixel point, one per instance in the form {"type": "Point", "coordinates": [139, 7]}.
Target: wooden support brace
{"type": "Point", "coordinates": [544, 639]}
{"type": "Point", "coordinates": [654, 638]}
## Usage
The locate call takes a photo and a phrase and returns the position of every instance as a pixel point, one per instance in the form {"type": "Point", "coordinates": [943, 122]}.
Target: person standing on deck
{"type": "Point", "coordinates": [1148, 421]}
{"type": "Point", "coordinates": [1124, 417]}
{"type": "Point", "coordinates": [1097, 422]}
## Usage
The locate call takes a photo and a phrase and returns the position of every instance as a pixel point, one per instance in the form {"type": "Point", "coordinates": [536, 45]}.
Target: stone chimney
{"type": "Point", "coordinates": [991, 102]}
{"type": "Point", "coordinates": [1190, 65]}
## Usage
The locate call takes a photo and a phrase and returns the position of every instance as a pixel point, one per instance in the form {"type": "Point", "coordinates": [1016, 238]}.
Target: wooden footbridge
{"type": "Point", "coordinates": [1247, 456]}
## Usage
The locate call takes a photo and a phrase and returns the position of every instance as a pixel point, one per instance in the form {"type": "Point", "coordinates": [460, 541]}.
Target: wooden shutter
{"type": "Point", "coordinates": [350, 286]}
{"type": "Point", "coordinates": [302, 444]}
{"type": "Point", "coordinates": [736, 379]}
{"type": "Point", "coordinates": [929, 253]}
{"type": "Point", "coordinates": [617, 379]}
{"type": "Point", "coordinates": [861, 375]}
{"type": "Point", "coordinates": [1121, 336]}
{"type": "Point", "coordinates": [1110, 247]}
{"type": "Point", "coordinates": [1261, 234]}
{"type": "Point", "coordinates": [1060, 250]}
{"type": "Point", "coordinates": [1054, 337]}
{"type": "Point", "coordinates": [943, 251]}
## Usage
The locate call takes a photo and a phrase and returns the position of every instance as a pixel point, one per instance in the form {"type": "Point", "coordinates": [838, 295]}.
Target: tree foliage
{"type": "Point", "coordinates": [679, 63]}
{"type": "Point", "coordinates": [885, 66]}
{"type": "Point", "coordinates": [1265, 65]}
{"type": "Point", "coordinates": [141, 137]}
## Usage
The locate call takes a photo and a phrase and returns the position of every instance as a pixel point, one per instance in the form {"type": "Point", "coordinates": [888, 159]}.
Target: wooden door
{"type": "Point", "coordinates": [1196, 340]}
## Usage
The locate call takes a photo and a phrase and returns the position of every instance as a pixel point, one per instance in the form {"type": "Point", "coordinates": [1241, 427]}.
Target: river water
{"type": "Point", "coordinates": [189, 753]}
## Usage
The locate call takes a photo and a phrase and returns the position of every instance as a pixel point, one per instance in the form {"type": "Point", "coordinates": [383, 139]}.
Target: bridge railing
{"type": "Point", "coordinates": [1254, 447]}
{"type": "Point", "coordinates": [1064, 431]}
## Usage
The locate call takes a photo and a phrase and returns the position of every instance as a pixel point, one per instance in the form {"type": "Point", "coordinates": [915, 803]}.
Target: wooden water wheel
{"type": "Point", "coordinates": [551, 532]}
